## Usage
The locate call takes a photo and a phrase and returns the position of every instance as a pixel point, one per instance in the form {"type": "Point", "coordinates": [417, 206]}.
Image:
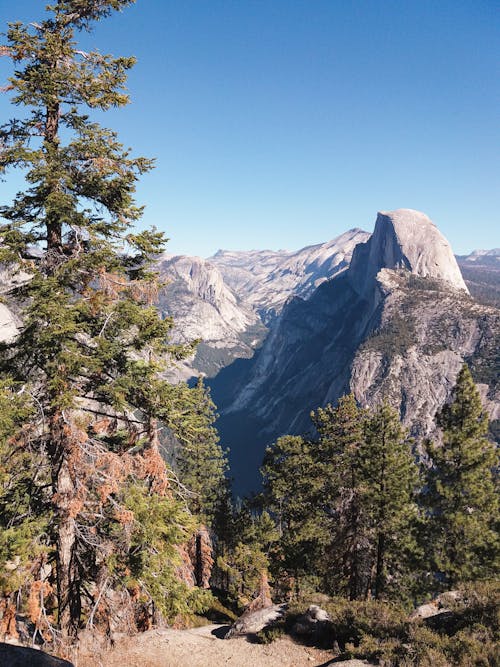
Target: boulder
{"type": "Point", "coordinates": [251, 622]}
{"type": "Point", "coordinates": [314, 626]}
{"type": "Point", "coordinates": [20, 656]}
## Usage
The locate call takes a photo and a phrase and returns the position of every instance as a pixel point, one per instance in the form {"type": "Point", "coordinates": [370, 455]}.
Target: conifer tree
{"type": "Point", "coordinates": [200, 461]}
{"type": "Point", "coordinates": [389, 484]}
{"type": "Point", "coordinates": [292, 490]}
{"type": "Point", "coordinates": [91, 345]}
{"type": "Point", "coordinates": [244, 562]}
{"type": "Point", "coordinates": [24, 499]}
{"type": "Point", "coordinates": [338, 463]}
{"type": "Point", "coordinates": [461, 494]}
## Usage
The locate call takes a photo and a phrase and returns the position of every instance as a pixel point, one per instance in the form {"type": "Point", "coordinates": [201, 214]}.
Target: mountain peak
{"type": "Point", "coordinates": [406, 239]}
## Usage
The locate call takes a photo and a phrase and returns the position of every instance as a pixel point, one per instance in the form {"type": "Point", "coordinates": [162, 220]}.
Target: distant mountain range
{"type": "Point", "coordinates": [481, 272]}
{"type": "Point", "coordinates": [389, 315]}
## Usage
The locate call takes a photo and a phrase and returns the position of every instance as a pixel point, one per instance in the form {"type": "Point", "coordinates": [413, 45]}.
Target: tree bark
{"type": "Point", "coordinates": [68, 586]}
{"type": "Point", "coordinates": [379, 574]}
{"type": "Point", "coordinates": [53, 222]}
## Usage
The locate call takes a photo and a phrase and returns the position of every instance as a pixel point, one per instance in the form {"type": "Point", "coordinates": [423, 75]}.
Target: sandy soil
{"type": "Point", "coordinates": [203, 647]}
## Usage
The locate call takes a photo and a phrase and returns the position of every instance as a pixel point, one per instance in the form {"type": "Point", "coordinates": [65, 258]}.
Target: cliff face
{"type": "Point", "coordinates": [397, 325]}
{"type": "Point", "coordinates": [229, 300]}
{"type": "Point", "coordinates": [205, 308]}
{"type": "Point", "coordinates": [266, 279]}
{"type": "Point", "coordinates": [404, 239]}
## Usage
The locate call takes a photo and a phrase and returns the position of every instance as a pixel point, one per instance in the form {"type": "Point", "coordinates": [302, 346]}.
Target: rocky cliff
{"type": "Point", "coordinates": [229, 300]}
{"type": "Point", "coordinates": [266, 279]}
{"type": "Point", "coordinates": [396, 325]}
{"type": "Point", "coordinates": [205, 308]}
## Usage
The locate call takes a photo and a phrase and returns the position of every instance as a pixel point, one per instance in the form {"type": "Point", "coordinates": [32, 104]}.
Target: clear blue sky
{"type": "Point", "coordinates": [281, 123]}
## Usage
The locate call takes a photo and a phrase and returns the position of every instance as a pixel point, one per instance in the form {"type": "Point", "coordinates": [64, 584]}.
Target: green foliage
{"type": "Point", "coordinates": [389, 486]}
{"type": "Point", "coordinates": [91, 348]}
{"type": "Point", "coordinates": [382, 632]}
{"type": "Point", "coordinates": [345, 504]}
{"type": "Point", "coordinates": [339, 467]}
{"type": "Point", "coordinates": [159, 526]}
{"type": "Point", "coordinates": [393, 338]}
{"type": "Point", "coordinates": [23, 501]}
{"type": "Point", "coordinates": [292, 493]}
{"type": "Point", "coordinates": [200, 461]}
{"type": "Point", "coordinates": [461, 494]}
{"type": "Point", "coordinates": [244, 559]}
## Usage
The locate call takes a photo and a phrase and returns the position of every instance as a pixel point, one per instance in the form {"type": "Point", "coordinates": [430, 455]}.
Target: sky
{"type": "Point", "coordinates": [283, 123]}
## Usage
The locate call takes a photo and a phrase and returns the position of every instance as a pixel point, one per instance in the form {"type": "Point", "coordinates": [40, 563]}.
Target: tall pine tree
{"type": "Point", "coordinates": [462, 492]}
{"type": "Point", "coordinates": [389, 479]}
{"type": "Point", "coordinates": [292, 491]}
{"type": "Point", "coordinates": [91, 345]}
{"type": "Point", "coordinates": [338, 463]}
{"type": "Point", "coordinates": [200, 460]}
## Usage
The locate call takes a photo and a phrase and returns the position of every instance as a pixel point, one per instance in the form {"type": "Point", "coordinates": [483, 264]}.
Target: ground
{"type": "Point", "coordinates": [203, 647]}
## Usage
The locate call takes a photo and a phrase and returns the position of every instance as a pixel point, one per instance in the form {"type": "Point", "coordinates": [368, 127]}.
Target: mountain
{"type": "Point", "coordinates": [482, 257]}
{"type": "Point", "coordinates": [397, 324]}
{"type": "Point", "coordinates": [229, 300]}
{"type": "Point", "coordinates": [204, 307]}
{"type": "Point", "coordinates": [481, 272]}
{"type": "Point", "coordinates": [265, 279]}
{"type": "Point", "coordinates": [386, 315]}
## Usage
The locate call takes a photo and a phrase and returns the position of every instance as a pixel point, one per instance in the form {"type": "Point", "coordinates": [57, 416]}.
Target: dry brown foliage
{"type": "Point", "coordinates": [8, 626]}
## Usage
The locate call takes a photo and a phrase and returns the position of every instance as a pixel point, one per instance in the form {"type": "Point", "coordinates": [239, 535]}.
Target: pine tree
{"type": "Point", "coordinates": [91, 345]}
{"type": "Point", "coordinates": [200, 461]}
{"type": "Point", "coordinates": [389, 479]}
{"type": "Point", "coordinates": [338, 463]}
{"type": "Point", "coordinates": [244, 562]}
{"type": "Point", "coordinates": [23, 503]}
{"type": "Point", "coordinates": [292, 491]}
{"type": "Point", "coordinates": [461, 494]}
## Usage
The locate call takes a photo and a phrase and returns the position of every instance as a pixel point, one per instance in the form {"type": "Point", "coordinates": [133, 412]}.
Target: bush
{"type": "Point", "coordinates": [381, 632]}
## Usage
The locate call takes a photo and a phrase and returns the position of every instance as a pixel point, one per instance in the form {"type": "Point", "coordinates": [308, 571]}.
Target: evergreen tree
{"type": "Point", "coordinates": [389, 479]}
{"type": "Point", "coordinates": [338, 463]}
{"type": "Point", "coordinates": [244, 561]}
{"type": "Point", "coordinates": [91, 345]}
{"type": "Point", "coordinates": [200, 461]}
{"type": "Point", "coordinates": [461, 494]}
{"type": "Point", "coordinates": [292, 491]}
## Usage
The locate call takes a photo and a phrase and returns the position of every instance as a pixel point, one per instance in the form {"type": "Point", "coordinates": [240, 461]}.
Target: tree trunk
{"type": "Point", "coordinates": [379, 575]}
{"type": "Point", "coordinates": [68, 593]}
{"type": "Point", "coordinates": [68, 585]}
{"type": "Point", "coordinates": [53, 222]}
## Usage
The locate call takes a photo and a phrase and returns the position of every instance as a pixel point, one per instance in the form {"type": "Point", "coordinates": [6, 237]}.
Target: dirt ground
{"type": "Point", "coordinates": [204, 647]}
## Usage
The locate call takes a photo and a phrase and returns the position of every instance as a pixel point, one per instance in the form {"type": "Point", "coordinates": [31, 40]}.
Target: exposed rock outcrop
{"type": "Point", "coordinates": [397, 325]}
{"type": "Point", "coordinates": [205, 308]}
{"type": "Point", "coordinates": [404, 239]}
{"type": "Point", "coordinates": [20, 656]}
{"type": "Point", "coordinates": [228, 301]}
{"type": "Point", "coordinates": [266, 279]}
{"type": "Point", "coordinates": [251, 622]}
{"type": "Point", "coordinates": [313, 626]}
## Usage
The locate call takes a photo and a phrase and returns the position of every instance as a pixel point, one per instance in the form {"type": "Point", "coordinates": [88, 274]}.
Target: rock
{"type": "Point", "coordinates": [437, 606]}
{"type": "Point", "coordinates": [266, 279]}
{"type": "Point", "coordinates": [205, 308]}
{"type": "Point", "coordinates": [396, 326]}
{"type": "Point", "coordinates": [314, 626]}
{"type": "Point", "coordinates": [404, 239]}
{"type": "Point", "coordinates": [255, 621]}
{"type": "Point", "coordinates": [8, 325]}
{"type": "Point", "coordinates": [20, 656]}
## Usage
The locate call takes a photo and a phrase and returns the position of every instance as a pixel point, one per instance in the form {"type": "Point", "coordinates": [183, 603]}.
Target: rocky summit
{"type": "Point", "coordinates": [404, 239]}
{"type": "Point", "coordinates": [397, 325]}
